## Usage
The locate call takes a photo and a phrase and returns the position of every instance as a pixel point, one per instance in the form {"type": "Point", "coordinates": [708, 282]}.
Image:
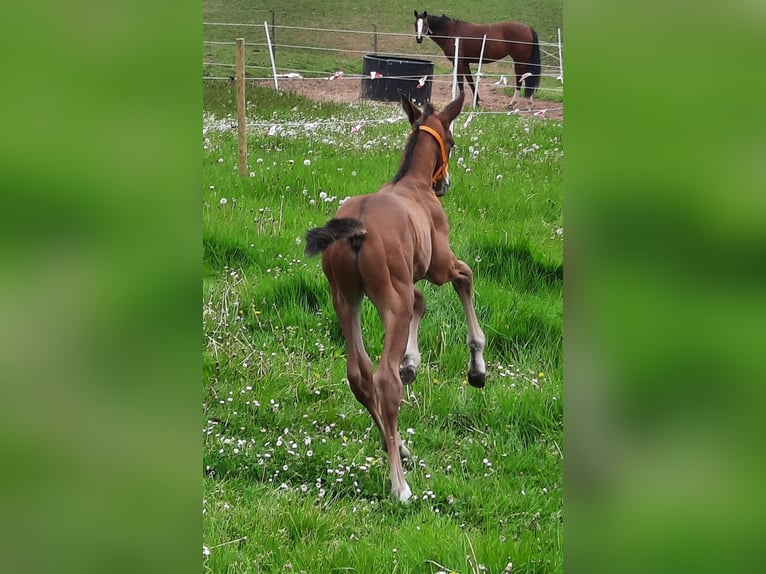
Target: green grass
{"type": "Point", "coordinates": [294, 477]}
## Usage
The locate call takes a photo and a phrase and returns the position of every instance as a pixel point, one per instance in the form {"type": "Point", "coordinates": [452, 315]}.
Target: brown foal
{"type": "Point", "coordinates": [380, 245]}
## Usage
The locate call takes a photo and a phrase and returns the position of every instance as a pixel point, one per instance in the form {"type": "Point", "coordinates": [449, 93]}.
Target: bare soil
{"type": "Point", "coordinates": [493, 98]}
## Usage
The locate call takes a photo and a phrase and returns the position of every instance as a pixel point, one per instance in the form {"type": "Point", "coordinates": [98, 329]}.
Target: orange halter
{"type": "Point", "coordinates": [442, 169]}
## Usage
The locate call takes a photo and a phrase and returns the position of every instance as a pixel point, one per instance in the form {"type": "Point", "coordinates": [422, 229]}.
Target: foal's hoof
{"type": "Point", "coordinates": [476, 379]}
{"type": "Point", "coordinates": [407, 374]}
{"type": "Point", "coordinates": [403, 495]}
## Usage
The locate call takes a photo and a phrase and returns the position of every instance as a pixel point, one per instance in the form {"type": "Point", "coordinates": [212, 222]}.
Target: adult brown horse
{"type": "Point", "coordinates": [380, 245]}
{"type": "Point", "coordinates": [513, 39]}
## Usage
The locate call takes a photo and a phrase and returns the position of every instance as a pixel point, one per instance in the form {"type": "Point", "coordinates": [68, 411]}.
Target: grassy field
{"type": "Point", "coordinates": [294, 477]}
{"type": "Point", "coordinates": [331, 51]}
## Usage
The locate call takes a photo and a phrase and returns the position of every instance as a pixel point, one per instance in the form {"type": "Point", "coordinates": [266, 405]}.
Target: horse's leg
{"type": "Point", "coordinates": [395, 308]}
{"type": "Point", "coordinates": [465, 71]}
{"type": "Point", "coordinates": [411, 363]}
{"type": "Point", "coordinates": [358, 363]}
{"type": "Point", "coordinates": [463, 284]}
{"type": "Point", "coordinates": [520, 70]}
{"type": "Point", "coordinates": [460, 77]}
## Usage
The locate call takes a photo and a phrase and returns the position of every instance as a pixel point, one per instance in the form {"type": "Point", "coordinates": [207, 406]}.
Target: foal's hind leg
{"type": "Point", "coordinates": [395, 308]}
{"type": "Point", "coordinates": [358, 363]}
{"type": "Point", "coordinates": [411, 362]}
{"type": "Point", "coordinates": [463, 284]}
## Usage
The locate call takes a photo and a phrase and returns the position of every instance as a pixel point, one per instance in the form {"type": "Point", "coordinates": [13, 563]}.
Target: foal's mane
{"type": "Point", "coordinates": [407, 156]}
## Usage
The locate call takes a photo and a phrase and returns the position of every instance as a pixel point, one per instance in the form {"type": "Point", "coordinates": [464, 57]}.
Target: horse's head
{"type": "Point", "coordinates": [421, 26]}
{"type": "Point", "coordinates": [437, 124]}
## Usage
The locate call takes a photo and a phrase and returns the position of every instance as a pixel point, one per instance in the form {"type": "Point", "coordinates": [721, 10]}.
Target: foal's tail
{"type": "Point", "coordinates": [320, 238]}
{"type": "Point", "coordinates": [533, 67]}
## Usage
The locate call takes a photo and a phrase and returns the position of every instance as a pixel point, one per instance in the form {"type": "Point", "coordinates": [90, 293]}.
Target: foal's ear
{"type": "Point", "coordinates": [451, 111]}
{"type": "Point", "coordinates": [412, 111]}
{"type": "Point", "coordinates": [416, 13]}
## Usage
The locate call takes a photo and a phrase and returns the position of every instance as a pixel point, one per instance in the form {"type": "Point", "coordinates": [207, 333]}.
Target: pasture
{"type": "Point", "coordinates": [300, 23]}
{"type": "Point", "coordinates": [294, 477]}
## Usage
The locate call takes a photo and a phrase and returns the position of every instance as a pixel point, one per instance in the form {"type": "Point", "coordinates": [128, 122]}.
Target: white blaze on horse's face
{"type": "Point", "coordinates": [419, 30]}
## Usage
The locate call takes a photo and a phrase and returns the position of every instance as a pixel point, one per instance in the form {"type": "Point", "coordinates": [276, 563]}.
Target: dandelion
{"type": "Point", "coordinates": [297, 240]}
{"type": "Point", "coordinates": [220, 160]}
{"type": "Point", "coordinates": [205, 550]}
{"type": "Point", "coordinates": [306, 162]}
{"type": "Point", "coordinates": [259, 160]}
{"type": "Point", "coordinates": [499, 176]}
{"type": "Point", "coordinates": [252, 174]}
{"type": "Point", "coordinates": [224, 201]}
{"type": "Point", "coordinates": [322, 195]}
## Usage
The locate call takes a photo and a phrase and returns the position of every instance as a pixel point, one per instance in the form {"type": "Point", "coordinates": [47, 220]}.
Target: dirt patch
{"type": "Point", "coordinates": [493, 98]}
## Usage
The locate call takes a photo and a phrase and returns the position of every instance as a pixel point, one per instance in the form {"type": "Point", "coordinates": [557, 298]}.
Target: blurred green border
{"type": "Point", "coordinates": [664, 283]}
{"type": "Point", "coordinates": [100, 292]}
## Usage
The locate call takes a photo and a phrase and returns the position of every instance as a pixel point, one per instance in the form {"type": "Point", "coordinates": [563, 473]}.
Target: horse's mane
{"type": "Point", "coordinates": [437, 23]}
{"type": "Point", "coordinates": [407, 156]}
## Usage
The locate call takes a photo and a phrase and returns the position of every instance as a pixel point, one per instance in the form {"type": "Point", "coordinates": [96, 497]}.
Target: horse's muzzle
{"type": "Point", "coordinates": [419, 39]}
{"type": "Point", "coordinates": [443, 188]}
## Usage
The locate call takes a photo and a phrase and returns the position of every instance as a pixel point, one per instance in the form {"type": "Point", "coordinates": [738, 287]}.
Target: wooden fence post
{"type": "Point", "coordinates": [374, 39]}
{"type": "Point", "coordinates": [241, 125]}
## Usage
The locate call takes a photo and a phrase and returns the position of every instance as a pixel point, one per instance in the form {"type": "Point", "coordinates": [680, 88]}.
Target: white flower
{"type": "Point", "coordinates": [220, 160]}
{"type": "Point", "coordinates": [252, 174]}
{"type": "Point", "coordinates": [224, 201]}
{"type": "Point", "coordinates": [307, 162]}
{"type": "Point", "coordinates": [322, 195]}
{"type": "Point", "coordinates": [205, 550]}
{"type": "Point", "coordinates": [259, 160]}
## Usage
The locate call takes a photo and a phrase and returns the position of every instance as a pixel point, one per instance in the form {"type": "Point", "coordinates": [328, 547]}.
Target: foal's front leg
{"type": "Point", "coordinates": [463, 284]}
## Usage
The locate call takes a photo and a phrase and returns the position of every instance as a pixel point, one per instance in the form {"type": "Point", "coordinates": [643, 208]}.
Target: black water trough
{"type": "Point", "coordinates": [386, 78]}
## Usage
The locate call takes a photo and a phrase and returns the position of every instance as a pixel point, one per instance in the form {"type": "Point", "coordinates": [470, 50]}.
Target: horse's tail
{"type": "Point", "coordinates": [533, 67]}
{"type": "Point", "coordinates": [320, 238]}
